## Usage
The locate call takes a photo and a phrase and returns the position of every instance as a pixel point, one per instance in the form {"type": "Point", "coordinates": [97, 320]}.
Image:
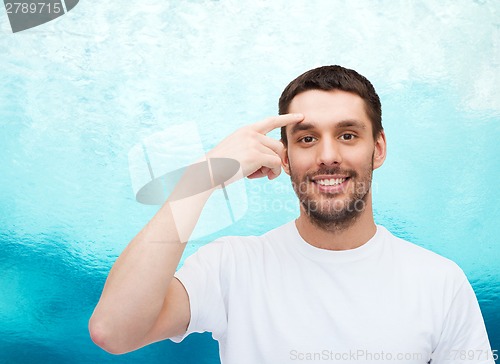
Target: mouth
{"type": "Point", "coordinates": [331, 184]}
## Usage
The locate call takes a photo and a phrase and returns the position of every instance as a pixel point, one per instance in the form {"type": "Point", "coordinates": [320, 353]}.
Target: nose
{"type": "Point", "coordinates": [328, 153]}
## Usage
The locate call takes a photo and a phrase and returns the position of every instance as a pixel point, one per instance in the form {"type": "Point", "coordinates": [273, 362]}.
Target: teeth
{"type": "Point", "coordinates": [330, 182]}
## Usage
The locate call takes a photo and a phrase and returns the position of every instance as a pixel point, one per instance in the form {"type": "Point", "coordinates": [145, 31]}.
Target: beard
{"type": "Point", "coordinates": [329, 211]}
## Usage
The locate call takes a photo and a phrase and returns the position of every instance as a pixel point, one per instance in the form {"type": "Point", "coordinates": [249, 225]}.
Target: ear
{"type": "Point", "coordinates": [285, 163]}
{"type": "Point", "coordinates": [380, 151]}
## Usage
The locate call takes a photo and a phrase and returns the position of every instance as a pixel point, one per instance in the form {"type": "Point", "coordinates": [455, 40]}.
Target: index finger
{"type": "Point", "coordinates": [269, 124]}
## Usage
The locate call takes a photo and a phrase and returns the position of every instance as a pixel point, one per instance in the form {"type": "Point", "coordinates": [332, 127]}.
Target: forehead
{"type": "Point", "coordinates": [330, 108]}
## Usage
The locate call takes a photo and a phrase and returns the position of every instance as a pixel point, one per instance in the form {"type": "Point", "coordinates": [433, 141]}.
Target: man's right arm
{"type": "Point", "coordinates": [141, 301]}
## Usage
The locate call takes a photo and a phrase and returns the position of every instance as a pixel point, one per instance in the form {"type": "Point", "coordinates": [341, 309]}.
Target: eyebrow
{"type": "Point", "coordinates": [340, 125]}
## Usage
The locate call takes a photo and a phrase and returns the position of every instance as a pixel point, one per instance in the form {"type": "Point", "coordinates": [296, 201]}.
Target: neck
{"type": "Point", "coordinates": [353, 236]}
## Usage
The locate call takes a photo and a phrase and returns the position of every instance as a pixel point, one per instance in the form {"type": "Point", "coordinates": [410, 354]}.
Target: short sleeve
{"type": "Point", "coordinates": [201, 277]}
{"type": "Point", "coordinates": [464, 338]}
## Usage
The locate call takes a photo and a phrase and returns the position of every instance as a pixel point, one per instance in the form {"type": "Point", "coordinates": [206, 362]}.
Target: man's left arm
{"type": "Point", "coordinates": [464, 338]}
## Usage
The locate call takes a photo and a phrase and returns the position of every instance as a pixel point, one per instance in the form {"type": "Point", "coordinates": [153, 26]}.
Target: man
{"type": "Point", "coordinates": [330, 286]}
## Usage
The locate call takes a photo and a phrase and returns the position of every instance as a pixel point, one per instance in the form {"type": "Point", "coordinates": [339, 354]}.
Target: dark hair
{"type": "Point", "coordinates": [329, 78]}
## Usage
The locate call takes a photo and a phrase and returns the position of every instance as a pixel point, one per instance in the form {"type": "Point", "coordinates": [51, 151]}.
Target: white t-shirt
{"type": "Point", "coordinates": [277, 299]}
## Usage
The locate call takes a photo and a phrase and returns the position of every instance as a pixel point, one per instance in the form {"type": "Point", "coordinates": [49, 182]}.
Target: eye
{"type": "Point", "coordinates": [347, 136]}
{"type": "Point", "coordinates": [307, 139]}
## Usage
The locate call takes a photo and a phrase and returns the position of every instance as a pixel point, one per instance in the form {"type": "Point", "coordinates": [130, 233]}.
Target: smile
{"type": "Point", "coordinates": [330, 182]}
{"type": "Point", "coordinates": [334, 185]}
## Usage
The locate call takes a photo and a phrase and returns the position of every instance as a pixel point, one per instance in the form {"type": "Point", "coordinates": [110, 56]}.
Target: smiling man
{"type": "Point", "coordinates": [329, 286]}
{"type": "Point", "coordinates": [330, 157]}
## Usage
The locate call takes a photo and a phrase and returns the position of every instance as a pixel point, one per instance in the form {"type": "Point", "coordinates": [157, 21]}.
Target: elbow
{"type": "Point", "coordinates": [102, 337]}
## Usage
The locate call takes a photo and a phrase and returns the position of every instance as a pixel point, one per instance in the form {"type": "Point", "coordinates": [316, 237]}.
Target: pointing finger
{"type": "Point", "coordinates": [269, 124]}
{"type": "Point", "coordinates": [273, 144]}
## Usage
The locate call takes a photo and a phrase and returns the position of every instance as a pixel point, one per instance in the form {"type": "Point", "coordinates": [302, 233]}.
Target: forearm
{"type": "Point", "coordinates": [137, 283]}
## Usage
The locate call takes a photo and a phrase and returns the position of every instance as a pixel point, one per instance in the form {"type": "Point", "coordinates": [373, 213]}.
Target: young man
{"type": "Point", "coordinates": [329, 286]}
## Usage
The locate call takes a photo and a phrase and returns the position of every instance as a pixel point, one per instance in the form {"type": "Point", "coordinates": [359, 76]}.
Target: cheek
{"type": "Point", "coordinates": [298, 160]}
{"type": "Point", "coordinates": [358, 156]}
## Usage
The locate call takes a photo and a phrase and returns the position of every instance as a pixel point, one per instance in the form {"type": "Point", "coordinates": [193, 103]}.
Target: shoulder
{"type": "Point", "coordinates": [248, 245]}
{"type": "Point", "coordinates": [271, 241]}
{"type": "Point", "coordinates": [421, 261]}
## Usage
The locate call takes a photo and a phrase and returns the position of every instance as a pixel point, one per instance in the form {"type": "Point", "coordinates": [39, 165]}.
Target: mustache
{"type": "Point", "coordinates": [333, 171]}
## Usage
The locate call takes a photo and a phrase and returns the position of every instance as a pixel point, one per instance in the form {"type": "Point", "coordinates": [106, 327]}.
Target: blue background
{"type": "Point", "coordinates": [77, 93]}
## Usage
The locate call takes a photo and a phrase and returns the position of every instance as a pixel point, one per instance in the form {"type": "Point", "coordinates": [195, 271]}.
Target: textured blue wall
{"type": "Point", "coordinates": [78, 92]}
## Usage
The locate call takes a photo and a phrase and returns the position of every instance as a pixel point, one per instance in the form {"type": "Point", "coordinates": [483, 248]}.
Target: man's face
{"type": "Point", "coordinates": [331, 155]}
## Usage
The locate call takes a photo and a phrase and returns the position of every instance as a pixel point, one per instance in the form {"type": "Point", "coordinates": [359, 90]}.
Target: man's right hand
{"type": "Point", "coordinates": [258, 154]}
